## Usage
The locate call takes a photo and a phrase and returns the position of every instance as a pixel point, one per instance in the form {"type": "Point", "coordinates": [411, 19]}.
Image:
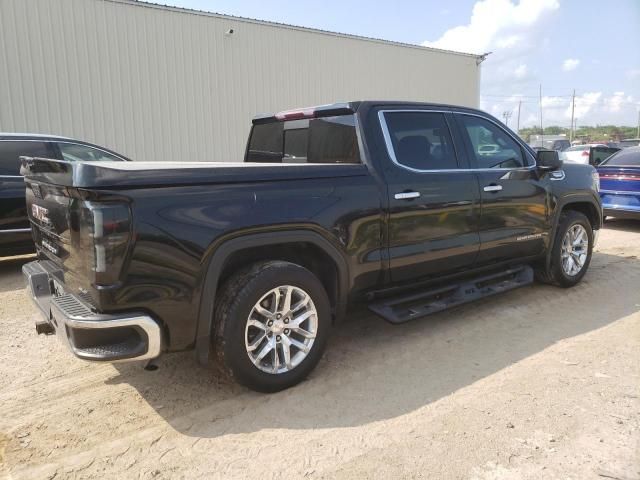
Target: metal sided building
{"type": "Point", "coordinates": [161, 83]}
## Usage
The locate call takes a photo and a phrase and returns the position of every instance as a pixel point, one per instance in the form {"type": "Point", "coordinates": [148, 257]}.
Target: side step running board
{"type": "Point", "coordinates": [409, 307]}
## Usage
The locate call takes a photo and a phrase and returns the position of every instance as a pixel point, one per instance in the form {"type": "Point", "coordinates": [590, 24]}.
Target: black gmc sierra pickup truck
{"type": "Point", "coordinates": [410, 208]}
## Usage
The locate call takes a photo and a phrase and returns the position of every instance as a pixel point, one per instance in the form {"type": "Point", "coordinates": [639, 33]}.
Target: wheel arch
{"type": "Point", "coordinates": [584, 204]}
{"type": "Point", "coordinates": [306, 248]}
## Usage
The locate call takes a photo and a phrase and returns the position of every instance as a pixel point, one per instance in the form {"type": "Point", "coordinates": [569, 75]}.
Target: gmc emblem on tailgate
{"type": "Point", "coordinates": [40, 214]}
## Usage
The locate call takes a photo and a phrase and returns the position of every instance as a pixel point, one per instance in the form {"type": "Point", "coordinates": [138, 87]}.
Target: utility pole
{"type": "Point", "coordinates": [573, 108]}
{"type": "Point", "coordinates": [506, 115]}
{"type": "Point", "coordinates": [541, 127]}
{"type": "Point", "coordinates": [520, 105]}
{"type": "Point", "coordinates": [638, 135]}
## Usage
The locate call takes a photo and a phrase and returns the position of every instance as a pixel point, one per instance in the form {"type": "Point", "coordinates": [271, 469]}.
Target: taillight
{"type": "Point", "coordinates": [105, 231]}
{"type": "Point", "coordinates": [585, 153]}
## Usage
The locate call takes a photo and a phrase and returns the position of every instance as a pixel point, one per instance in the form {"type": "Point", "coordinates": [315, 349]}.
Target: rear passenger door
{"type": "Point", "coordinates": [514, 217]}
{"type": "Point", "coordinates": [433, 198]}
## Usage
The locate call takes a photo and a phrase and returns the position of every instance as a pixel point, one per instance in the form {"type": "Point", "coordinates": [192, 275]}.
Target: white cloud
{"type": "Point", "coordinates": [554, 102]}
{"type": "Point", "coordinates": [633, 73]}
{"type": "Point", "coordinates": [517, 32]}
{"type": "Point", "coordinates": [570, 64]}
{"type": "Point", "coordinates": [584, 104]}
{"type": "Point", "coordinates": [520, 71]}
{"type": "Point", "coordinates": [617, 108]}
{"type": "Point", "coordinates": [494, 23]}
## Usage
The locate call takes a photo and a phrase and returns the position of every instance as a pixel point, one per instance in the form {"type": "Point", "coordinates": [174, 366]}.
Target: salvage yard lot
{"type": "Point", "coordinates": [540, 382]}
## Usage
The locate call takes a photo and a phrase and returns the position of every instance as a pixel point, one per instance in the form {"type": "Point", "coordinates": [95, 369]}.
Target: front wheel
{"type": "Point", "coordinates": [273, 321]}
{"type": "Point", "coordinates": [572, 250]}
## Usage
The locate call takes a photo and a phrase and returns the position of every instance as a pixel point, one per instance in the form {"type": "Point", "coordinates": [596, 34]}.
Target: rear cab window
{"type": "Point", "coordinates": [12, 150]}
{"type": "Point", "coordinates": [308, 140]}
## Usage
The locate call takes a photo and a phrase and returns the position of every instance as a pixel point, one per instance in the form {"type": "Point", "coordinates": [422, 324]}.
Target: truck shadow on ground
{"type": "Point", "coordinates": [623, 225]}
{"type": "Point", "coordinates": [374, 371]}
{"type": "Point", "coordinates": [11, 272]}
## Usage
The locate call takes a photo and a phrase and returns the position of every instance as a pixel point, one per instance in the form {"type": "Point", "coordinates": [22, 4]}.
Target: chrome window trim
{"type": "Point", "coordinates": [39, 140]}
{"type": "Point", "coordinates": [390, 151]}
{"type": "Point", "coordinates": [89, 146]}
{"type": "Point", "coordinates": [11, 176]}
{"type": "Point", "coordinates": [62, 140]}
{"type": "Point", "coordinates": [619, 192]}
{"type": "Point", "coordinates": [16, 230]}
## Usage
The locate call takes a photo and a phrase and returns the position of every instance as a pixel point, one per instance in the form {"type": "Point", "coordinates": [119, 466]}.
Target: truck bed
{"type": "Point", "coordinates": [116, 175]}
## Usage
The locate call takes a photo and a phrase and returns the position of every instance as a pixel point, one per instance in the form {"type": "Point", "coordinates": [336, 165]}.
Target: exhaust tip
{"type": "Point", "coordinates": [45, 328]}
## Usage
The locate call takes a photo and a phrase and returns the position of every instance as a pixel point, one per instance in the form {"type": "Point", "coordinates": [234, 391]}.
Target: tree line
{"type": "Point", "coordinates": [597, 133]}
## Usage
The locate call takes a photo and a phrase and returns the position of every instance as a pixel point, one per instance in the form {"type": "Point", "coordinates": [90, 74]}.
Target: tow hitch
{"type": "Point", "coordinates": [44, 328]}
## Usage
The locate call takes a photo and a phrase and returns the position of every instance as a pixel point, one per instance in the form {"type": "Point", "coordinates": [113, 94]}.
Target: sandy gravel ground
{"type": "Point", "coordinates": [536, 383]}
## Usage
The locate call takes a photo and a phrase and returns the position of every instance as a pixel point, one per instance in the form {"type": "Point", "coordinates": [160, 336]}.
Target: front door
{"type": "Point", "coordinates": [514, 218]}
{"type": "Point", "coordinates": [433, 203]}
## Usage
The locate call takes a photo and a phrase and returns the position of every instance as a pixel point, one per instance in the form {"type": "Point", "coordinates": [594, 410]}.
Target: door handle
{"type": "Point", "coordinates": [406, 195]}
{"type": "Point", "coordinates": [492, 188]}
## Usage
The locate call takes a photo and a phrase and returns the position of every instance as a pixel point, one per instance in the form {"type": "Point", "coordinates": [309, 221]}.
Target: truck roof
{"type": "Point", "coordinates": [345, 108]}
{"type": "Point", "coordinates": [30, 136]}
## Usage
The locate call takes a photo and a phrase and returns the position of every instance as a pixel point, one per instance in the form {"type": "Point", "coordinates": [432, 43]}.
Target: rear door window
{"type": "Point", "coordinates": [12, 150]}
{"type": "Point", "coordinates": [624, 158]}
{"type": "Point", "coordinates": [314, 140]}
{"type": "Point", "coordinates": [420, 140]}
{"type": "Point", "coordinates": [600, 154]}
{"type": "Point", "coordinates": [73, 152]}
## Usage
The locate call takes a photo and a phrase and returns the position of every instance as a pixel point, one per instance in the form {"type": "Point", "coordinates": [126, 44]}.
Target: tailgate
{"type": "Point", "coordinates": [55, 208]}
{"type": "Point", "coordinates": [51, 214]}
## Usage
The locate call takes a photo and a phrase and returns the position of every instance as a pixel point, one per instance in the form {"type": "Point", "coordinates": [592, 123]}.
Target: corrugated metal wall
{"type": "Point", "coordinates": [158, 83]}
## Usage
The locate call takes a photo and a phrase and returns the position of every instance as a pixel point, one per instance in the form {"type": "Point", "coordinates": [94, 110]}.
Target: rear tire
{"type": "Point", "coordinates": [571, 252]}
{"type": "Point", "coordinates": [257, 340]}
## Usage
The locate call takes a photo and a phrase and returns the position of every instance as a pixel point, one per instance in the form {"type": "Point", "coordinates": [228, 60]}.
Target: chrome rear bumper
{"type": "Point", "coordinates": [90, 335]}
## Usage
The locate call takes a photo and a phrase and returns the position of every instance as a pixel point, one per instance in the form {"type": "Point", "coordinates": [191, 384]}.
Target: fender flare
{"type": "Point", "coordinates": [227, 248]}
{"type": "Point", "coordinates": [563, 202]}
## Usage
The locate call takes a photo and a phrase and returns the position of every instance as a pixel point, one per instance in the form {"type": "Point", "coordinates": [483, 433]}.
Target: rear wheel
{"type": "Point", "coordinates": [572, 249]}
{"type": "Point", "coordinates": [273, 322]}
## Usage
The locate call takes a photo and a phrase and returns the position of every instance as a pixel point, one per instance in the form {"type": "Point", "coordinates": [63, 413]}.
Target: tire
{"type": "Point", "coordinates": [556, 273]}
{"type": "Point", "coordinates": [235, 335]}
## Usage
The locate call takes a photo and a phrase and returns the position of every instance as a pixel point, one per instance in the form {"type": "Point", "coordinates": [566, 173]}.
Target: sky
{"type": "Point", "coordinates": [587, 45]}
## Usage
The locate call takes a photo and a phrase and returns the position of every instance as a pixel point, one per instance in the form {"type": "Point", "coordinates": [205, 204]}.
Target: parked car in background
{"type": "Point", "coordinates": [620, 184]}
{"type": "Point", "coordinates": [629, 142]}
{"type": "Point", "coordinates": [553, 144]}
{"type": "Point", "coordinates": [549, 142]}
{"type": "Point", "coordinates": [15, 231]}
{"type": "Point", "coordinates": [558, 145]}
{"type": "Point", "coordinates": [591, 154]}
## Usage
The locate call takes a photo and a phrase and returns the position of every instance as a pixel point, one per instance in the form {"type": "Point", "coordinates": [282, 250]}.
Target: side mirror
{"type": "Point", "coordinates": [548, 160]}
